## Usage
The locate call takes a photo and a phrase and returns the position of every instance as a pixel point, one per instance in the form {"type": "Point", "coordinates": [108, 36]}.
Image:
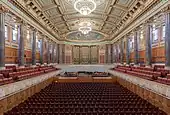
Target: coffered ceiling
{"type": "Point", "coordinates": [105, 19]}
{"type": "Point", "coordinates": [59, 17]}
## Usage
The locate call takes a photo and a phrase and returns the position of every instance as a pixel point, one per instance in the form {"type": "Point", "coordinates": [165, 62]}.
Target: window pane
{"type": "Point", "coordinates": [6, 32]}
{"type": "Point", "coordinates": [39, 44]}
{"type": "Point", "coordinates": [28, 34]}
{"type": "Point", "coordinates": [14, 33]}
{"type": "Point", "coordinates": [132, 43]}
{"type": "Point", "coordinates": [154, 34]}
{"type": "Point", "coordinates": [163, 32]}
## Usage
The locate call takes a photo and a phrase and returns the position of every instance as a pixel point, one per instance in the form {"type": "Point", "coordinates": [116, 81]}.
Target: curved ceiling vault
{"type": "Point", "coordinates": [105, 19]}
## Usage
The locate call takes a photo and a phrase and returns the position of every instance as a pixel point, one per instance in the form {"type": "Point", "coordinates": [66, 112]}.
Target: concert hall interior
{"type": "Point", "coordinates": [84, 57]}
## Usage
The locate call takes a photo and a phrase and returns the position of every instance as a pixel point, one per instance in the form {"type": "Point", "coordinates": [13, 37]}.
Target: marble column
{"type": "Point", "coordinates": [48, 52]}
{"type": "Point", "coordinates": [52, 55]}
{"type": "Point", "coordinates": [127, 51]}
{"type": "Point", "coordinates": [56, 49]}
{"type": "Point", "coordinates": [121, 51]}
{"type": "Point", "coordinates": [42, 51]}
{"type": "Point", "coordinates": [167, 39]}
{"type": "Point", "coordinates": [136, 50]}
{"type": "Point", "coordinates": [106, 53]}
{"type": "Point", "coordinates": [89, 54]}
{"type": "Point", "coordinates": [21, 30]}
{"type": "Point", "coordinates": [63, 53]}
{"type": "Point", "coordinates": [79, 54]}
{"type": "Point", "coordinates": [109, 54]}
{"type": "Point", "coordinates": [116, 53]}
{"type": "Point", "coordinates": [34, 47]}
{"type": "Point", "coordinates": [113, 53]}
{"type": "Point", "coordinates": [148, 45]}
{"type": "Point", "coordinates": [58, 53]}
{"type": "Point", "coordinates": [97, 54]}
{"type": "Point", "coordinates": [3, 10]}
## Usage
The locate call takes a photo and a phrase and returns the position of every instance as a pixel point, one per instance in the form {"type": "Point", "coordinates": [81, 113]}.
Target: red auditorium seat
{"type": "Point", "coordinates": [146, 73]}
{"type": "Point", "coordinates": [9, 76]}
{"type": "Point", "coordinates": [163, 71]}
{"type": "Point", "coordinates": [159, 67]}
{"type": "Point", "coordinates": [85, 99]}
{"type": "Point", "coordinates": [6, 72]}
{"type": "Point", "coordinates": [168, 76]}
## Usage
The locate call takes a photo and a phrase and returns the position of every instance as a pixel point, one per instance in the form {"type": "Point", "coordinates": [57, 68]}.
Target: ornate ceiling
{"type": "Point", "coordinates": [59, 18]}
{"type": "Point", "coordinates": [104, 19]}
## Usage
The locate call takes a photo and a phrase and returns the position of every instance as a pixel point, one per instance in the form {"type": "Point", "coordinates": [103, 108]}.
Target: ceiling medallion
{"type": "Point", "coordinates": [85, 7]}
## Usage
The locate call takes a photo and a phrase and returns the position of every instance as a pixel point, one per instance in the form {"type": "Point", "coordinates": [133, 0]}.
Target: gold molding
{"type": "Point", "coordinates": [166, 9]}
{"type": "Point", "coordinates": [3, 9]}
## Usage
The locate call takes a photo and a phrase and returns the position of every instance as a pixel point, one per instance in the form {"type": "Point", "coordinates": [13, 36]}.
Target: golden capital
{"type": "Point", "coordinates": [166, 9]}
{"type": "Point", "coordinates": [3, 9]}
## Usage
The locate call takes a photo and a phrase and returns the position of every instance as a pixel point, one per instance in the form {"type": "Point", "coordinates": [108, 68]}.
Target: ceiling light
{"type": "Point", "coordinates": [85, 7]}
{"type": "Point", "coordinates": [85, 29]}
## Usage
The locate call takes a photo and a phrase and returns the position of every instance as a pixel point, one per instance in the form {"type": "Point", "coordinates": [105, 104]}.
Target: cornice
{"type": "Point", "coordinates": [3, 9]}
{"type": "Point", "coordinates": [151, 10]}
{"type": "Point", "coordinates": [21, 12]}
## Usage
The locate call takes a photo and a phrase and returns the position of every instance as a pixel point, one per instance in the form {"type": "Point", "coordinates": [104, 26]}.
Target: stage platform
{"type": "Point", "coordinates": [85, 79]}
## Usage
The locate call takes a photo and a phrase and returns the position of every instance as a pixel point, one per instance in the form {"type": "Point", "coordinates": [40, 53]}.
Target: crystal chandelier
{"type": "Point", "coordinates": [85, 7]}
{"type": "Point", "coordinates": [85, 27]}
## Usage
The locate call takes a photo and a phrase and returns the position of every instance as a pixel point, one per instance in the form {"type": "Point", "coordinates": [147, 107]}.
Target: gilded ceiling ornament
{"type": "Point", "coordinates": [3, 9]}
{"type": "Point", "coordinates": [167, 9]}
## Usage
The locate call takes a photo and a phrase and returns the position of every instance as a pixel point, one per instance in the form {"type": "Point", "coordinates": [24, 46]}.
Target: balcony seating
{"type": "Point", "coordinates": [163, 80]}
{"type": "Point", "coordinates": [163, 71]}
{"type": "Point", "coordinates": [24, 69]}
{"type": "Point", "coordinates": [143, 68]}
{"type": "Point", "coordinates": [168, 76]}
{"type": "Point", "coordinates": [159, 67]}
{"type": "Point", "coordinates": [9, 75]}
{"type": "Point", "coordinates": [6, 72]}
{"type": "Point", "coordinates": [85, 99]}
{"type": "Point", "coordinates": [160, 75]}
{"type": "Point", "coordinates": [13, 67]}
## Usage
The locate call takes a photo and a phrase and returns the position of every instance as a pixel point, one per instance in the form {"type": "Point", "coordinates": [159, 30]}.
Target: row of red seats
{"type": "Point", "coordinates": [143, 75]}
{"type": "Point", "coordinates": [147, 73]}
{"type": "Point", "coordinates": [159, 67]}
{"type": "Point", "coordinates": [24, 69]}
{"type": "Point", "coordinates": [9, 76]}
{"type": "Point", "coordinates": [48, 102]}
{"type": "Point", "coordinates": [155, 74]}
{"type": "Point", "coordinates": [10, 67]}
{"type": "Point", "coordinates": [163, 80]}
{"type": "Point", "coordinates": [6, 72]}
{"type": "Point", "coordinates": [164, 72]}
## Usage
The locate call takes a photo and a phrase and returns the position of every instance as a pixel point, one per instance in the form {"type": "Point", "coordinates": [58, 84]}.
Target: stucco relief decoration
{"type": "Point", "coordinates": [3, 9]}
